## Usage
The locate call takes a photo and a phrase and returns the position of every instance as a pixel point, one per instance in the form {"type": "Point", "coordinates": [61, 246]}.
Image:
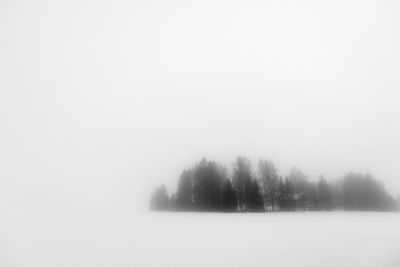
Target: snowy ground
{"type": "Point", "coordinates": [199, 239]}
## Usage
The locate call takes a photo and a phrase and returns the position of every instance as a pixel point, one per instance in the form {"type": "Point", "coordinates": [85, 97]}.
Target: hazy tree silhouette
{"type": "Point", "coordinates": [313, 197]}
{"type": "Point", "coordinates": [286, 195]}
{"type": "Point", "coordinates": [242, 175]}
{"type": "Point", "coordinates": [159, 199]}
{"type": "Point", "coordinates": [281, 194]}
{"type": "Point", "coordinates": [207, 187]}
{"type": "Point", "coordinates": [324, 195]}
{"type": "Point", "coordinates": [363, 192]}
{"type": "Point", "coordinates": [184, 194]}
{"type": "Point", "coordinates": [397, 204]}
{"type": "Point", "coordinates": [228, 198]}
{"type": "Point", "coordinates": [298, 182]}
{"type": "Point", "coordinates": [336, 188]}
{"type": "Point", "coordinates": [352, 191]}
{"type": "Point", "coordinates": [172, 202]}
{"type": "Point", "coordinates": [207, 183]}
{"type": "Point", "coordinates": [269, 183]}
{"type": "Point", "coordinates": [254, 198]}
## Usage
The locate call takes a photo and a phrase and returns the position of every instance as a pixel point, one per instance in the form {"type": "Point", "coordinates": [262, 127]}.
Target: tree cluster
{"type": "Point", "coordinates": [208, 187]}
{"type": "Point", "coordinates": [363, 192]}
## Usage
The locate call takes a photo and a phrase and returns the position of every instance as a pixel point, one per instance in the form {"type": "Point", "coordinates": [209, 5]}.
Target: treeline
{"type": "Point", "coordinates": [208, 187]}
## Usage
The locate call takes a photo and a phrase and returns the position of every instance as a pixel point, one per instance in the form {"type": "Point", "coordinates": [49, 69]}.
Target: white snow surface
{"type": "Point", "coordinates": [59, 238]}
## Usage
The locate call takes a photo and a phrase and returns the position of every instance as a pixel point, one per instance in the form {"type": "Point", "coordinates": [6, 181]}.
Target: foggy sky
{"type": "Point", "coordinates": [102, 100]}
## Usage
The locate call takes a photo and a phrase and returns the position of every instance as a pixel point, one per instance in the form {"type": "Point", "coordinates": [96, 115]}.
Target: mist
{"type": "Point", "coordinates": [101, 101]}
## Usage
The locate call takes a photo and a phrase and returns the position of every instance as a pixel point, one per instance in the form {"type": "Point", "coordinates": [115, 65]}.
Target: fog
{"type": "Point", "coordinates": [100, 101]}
{"type": "Point", "coordinates": [200, 239]}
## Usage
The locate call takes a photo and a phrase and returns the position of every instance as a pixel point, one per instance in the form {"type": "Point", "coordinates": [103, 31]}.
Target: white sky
{"type": "Point", "coordinates": [102, 100]}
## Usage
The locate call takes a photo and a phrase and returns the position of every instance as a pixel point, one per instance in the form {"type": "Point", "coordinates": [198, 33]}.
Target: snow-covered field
{"type": "Point", "coordinates": [48, 239]}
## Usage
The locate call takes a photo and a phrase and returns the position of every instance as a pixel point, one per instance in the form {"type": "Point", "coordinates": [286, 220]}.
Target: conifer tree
{"type": "Point", "coordinates": [184, 194]}
{"type": "Point", "coordinates": [159, 199]}
{"type": "Point", "coordinates": [228, 197]}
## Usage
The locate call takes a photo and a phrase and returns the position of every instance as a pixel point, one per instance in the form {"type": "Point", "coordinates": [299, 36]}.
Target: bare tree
{"type": "Point", "coordinates": [242, 175]}
{"type": "Point", "coordinates": [269, 183]}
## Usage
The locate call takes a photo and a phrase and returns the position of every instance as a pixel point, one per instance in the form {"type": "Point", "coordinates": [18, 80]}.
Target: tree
{"type": "Point", "coordinates": [159, 200]}
{"type": "Point", "coordinates": [285, 199]}
{"type": "Point", "coordinates": [184, 194]}
{"type": "Point", "coordinates": [207, 182]}
{"type": "Point", "coordinates": [241, 177]}
{"type": "Point", "coordinates": [336, 188]}
{"type": "Point", "coordinates": [363, 192]}
{"type": "Point", "coordinates": [313, 196]}
{"type": "Point", "coordinates": [281, 194]}
{"type": "Point", "coordinates": [269, 183]}
{"type": "Point", "coordinates": [254, 198]}
{"type": "Point", "coordinates": [172, 202]}
{"type": "Point", "coordinates": [324, 195]}
{"type": "Point", "coordinates": [208, 187]}
{"type": "Point", "coordinates": [351, 191]}
{"type": "Point", "coordinates": [298, 182]}
{"type": "Point", "coordinates": [228, 197]}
